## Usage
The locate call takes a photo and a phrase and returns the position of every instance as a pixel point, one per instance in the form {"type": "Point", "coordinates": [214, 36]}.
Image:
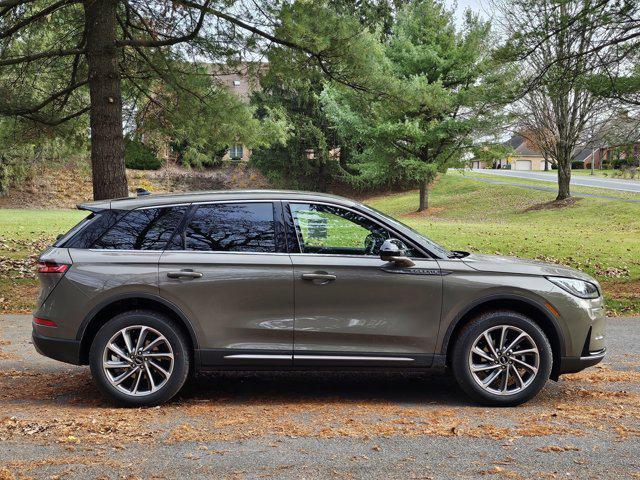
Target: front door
{"type": "Point", "coordinates": [352, 308]}
{"type": "Point", "coordinates": [230, 274]}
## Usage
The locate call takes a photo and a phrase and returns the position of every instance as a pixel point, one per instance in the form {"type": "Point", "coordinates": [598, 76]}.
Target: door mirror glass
{"type": "Point", "coordinates": [393, 250]}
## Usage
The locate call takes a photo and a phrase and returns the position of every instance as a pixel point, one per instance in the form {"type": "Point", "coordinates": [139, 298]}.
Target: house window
{"type": "Point", "coordinates": [236, 83]}
{"type": "Point", "coordinates": [236, 152]}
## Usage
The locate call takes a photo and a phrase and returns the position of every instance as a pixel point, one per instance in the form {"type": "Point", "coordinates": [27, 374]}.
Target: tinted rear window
{"type": "Point", "coordinates": [144, 229]}
{"type": "Point", "coordinates": [232, 227]}
{"type": "Point", "coordinates": [90, 229]}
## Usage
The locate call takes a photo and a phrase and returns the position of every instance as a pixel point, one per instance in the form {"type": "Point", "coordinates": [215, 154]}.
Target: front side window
{"type": "Point", "coordinates": [232, 227]}
{"type": "Point", "coordinates": [327, 229]}
{"type": "Point", "coordinates": [143, 229]}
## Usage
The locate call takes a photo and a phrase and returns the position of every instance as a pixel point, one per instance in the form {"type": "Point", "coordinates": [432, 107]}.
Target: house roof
{"type": "Point", "coordinates": [582, 155]}
{"type": "Point", "coordinates": [521, 146]}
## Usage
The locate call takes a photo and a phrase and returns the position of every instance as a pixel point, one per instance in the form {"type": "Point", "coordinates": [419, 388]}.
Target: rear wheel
{"type": "Point", "coordinates": [502, 358]}
{"type": "Point", "coordinates": [140, 358]}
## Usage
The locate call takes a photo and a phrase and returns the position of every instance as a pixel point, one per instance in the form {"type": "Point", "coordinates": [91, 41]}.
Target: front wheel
{"type": "Point", "coordinates": [502, 358]}
{"type": "Point", "coordinates": [139, 358]}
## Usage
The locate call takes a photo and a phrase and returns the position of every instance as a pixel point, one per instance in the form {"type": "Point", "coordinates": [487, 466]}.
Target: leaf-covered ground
{"type": "Point", "coordinates": [54, 424]}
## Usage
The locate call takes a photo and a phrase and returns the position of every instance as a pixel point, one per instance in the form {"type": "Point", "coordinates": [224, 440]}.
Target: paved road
{"type": "Point", "coordinates": [580, 180]}
{"type": "Point", "coordinates": [317, 425]}
{"type": "Point", "coordinates": [554, 189]}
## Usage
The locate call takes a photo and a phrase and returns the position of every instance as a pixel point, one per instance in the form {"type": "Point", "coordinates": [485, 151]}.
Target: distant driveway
{"type": "Point", "coordinates": [580, 180]}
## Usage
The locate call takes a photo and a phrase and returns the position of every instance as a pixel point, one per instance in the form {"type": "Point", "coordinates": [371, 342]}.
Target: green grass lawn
{"type": "Point", "coordinates": [601, 237]}
{"type": "Point", "coordinates": [21, 225]}
{"type": "Point", "coordinates": [23, 235]}
{"type": "Point", "coordinates": [608, 173]}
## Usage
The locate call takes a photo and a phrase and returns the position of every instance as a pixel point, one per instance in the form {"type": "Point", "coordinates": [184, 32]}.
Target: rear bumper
{"type": "Point", "coordinates": [67, 351]}
{"type": "Point", "coordinates": [576, 364]}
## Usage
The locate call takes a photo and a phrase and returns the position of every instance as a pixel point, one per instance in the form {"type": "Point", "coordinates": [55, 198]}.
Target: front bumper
{"type": "Point", "coordinates": [576, 364]}
{"type": "Point", "coordinates": [67, 351]}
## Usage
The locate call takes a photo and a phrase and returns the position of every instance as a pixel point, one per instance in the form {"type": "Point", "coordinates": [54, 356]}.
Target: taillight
{"type": "Point", "coordinates": [44, 322]}
{"type": "Point", "coordinates": [52, 267]}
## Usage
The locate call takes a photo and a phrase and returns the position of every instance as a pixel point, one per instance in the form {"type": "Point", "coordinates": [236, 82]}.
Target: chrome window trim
{"type": "Point", "coordinates": [422, 259]}
{"type": "Point", "coordinates": [246, 253]}
{"type": "Point", "coordinates": [119, 250]}
{"type": "Point", "coordinates": [210, 252]}
{"type": "Point", "coordinates": [427, 255]}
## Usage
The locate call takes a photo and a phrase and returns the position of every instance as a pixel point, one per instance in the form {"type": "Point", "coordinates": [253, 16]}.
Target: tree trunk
{"type": "Point", "coordinates": [564, 176]}
{"type": "Point", "coordinates": [107, 143]}
{"type": "Point", "coordinates": [424, 195]}
{"type": "Point", "coordinates": [546, 164]}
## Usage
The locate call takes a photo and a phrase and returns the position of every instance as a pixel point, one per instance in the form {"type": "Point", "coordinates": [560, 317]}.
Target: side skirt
{"type": "Point", "coordinates": [244, 359]}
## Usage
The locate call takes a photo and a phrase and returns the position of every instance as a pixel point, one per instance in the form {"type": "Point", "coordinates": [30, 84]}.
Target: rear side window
{"type": "Point", "coordinates": [231, 227]}
{"type": "Point", "coordinates": [144, 229]}
{"type": "Point", "coordinates": [90, 229]}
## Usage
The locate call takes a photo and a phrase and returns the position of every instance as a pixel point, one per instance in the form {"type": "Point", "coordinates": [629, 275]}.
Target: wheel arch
{"type": "Point", "coordinates": [101, 313]}
{"type": "Point", "coordinates": [536, 311]}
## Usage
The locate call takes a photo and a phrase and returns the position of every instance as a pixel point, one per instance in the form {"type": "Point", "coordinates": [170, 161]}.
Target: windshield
{"type": "Point", "coordinates": [428, 243]}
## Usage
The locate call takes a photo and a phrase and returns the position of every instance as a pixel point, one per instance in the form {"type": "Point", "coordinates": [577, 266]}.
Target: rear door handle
{"type": "Point", "coordinates": [184, 274]}
{"type": "Point", "coordinates": [319, 278]}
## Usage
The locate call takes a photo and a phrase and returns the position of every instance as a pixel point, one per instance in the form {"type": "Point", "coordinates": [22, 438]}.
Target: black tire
{"type": "Point", "coordinates": [463, 345]}
{"type": "Point", "coordinates": [179, 345]}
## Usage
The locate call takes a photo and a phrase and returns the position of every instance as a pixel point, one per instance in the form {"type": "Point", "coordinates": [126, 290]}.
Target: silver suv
{"type": "Point", "coordinates": [151, 289]}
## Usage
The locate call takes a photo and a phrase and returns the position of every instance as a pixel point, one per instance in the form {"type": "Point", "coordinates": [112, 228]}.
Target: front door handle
{"type": "Point", "coordinates": [319, 278]}
{"type": "Point", "coordinates": [184, 274]}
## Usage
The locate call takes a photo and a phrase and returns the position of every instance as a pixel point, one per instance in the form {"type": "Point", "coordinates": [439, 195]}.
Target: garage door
{"type": "Point", "coordinates": [523, 164]}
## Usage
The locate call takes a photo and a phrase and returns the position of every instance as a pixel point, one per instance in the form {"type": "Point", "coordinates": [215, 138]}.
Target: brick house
{"type": "Point", "coordinates": [242, 79]}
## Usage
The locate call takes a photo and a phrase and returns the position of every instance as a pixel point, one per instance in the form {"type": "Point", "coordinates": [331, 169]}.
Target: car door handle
{"type": "Point", "coordinates": [184, 274]}
{"type": "Point", "coordinates": [319, 278]}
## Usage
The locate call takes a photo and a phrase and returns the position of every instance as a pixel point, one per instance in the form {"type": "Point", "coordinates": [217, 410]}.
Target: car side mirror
{"type": "Point", "coordinates": [393, 250]}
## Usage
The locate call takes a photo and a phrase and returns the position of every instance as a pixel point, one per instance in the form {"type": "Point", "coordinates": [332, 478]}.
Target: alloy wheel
{"type": "Point", "coordinates": [504, 360]}
{"type": "Point", "coordinates": [138, 360]}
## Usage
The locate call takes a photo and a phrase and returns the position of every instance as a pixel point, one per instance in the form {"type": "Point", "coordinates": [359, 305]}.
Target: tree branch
{"type": "Point", "coordinates": [168, 41]}
{"type": "Point", "coordinates": [36, 16]}
{"type": "Point", "coordinates": [13, 3]}
{"type": "Point", "coordinates": [53, 122]}
{"type": "Point", "coordinates": [246, 26]}
{"type": "Point", "coordinates": [25, 111]}
{"type": "Point", "coordinates": [38, 56]}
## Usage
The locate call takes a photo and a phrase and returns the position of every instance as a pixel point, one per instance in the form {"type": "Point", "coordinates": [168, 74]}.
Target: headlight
{"type": "Point", "coordinates": [579, 288]}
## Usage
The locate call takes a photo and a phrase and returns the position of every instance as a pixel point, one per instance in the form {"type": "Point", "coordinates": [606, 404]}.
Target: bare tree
{"type": "Point", "coordinates": [556, 42]}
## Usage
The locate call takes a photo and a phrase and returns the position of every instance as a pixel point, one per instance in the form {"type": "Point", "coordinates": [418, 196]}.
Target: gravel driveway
{"type": "Point", "coordinates": [53, 424]}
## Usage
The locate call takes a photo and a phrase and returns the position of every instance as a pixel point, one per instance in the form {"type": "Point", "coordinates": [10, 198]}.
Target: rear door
{"type": "Point", "coordinates": [116, 254]}
{"type": "Point", "coordinates": [229, 272]}
{"type": "Point", "coordinates": [352, 308]}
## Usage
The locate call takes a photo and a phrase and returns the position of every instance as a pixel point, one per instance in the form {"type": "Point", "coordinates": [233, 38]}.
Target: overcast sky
{"type": "Point", "coordinates": [480, 6]}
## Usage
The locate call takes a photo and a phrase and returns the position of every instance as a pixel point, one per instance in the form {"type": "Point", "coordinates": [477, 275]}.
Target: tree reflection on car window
{"type": "Point", "coordinates": [144, 229]}
{"type": "Point", "coordinates": [232, 227]}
